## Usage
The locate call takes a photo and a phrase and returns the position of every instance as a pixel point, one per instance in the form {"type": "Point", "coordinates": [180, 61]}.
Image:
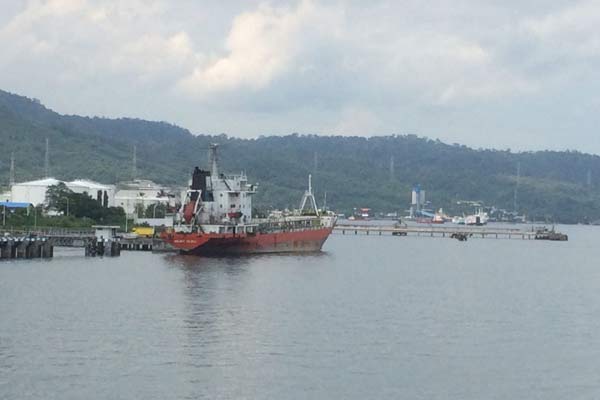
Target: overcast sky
{"type": "Point", "coordinates": [489, 73]}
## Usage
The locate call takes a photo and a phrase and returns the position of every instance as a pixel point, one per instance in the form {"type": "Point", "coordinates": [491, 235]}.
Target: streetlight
{"type": "Point", "coordinates": [66, 198]}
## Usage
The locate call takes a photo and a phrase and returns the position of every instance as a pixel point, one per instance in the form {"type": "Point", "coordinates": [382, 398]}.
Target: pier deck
{"type": "Point", "coordinates": [482, 232]}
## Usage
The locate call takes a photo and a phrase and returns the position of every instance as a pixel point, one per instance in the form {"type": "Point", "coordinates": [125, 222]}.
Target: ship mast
{"type": "Point", "coordinates": [309, 197]}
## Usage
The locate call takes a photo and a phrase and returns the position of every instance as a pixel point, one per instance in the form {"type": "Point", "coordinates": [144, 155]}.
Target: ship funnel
{"type": "Point", "coordinates": [214, 159]}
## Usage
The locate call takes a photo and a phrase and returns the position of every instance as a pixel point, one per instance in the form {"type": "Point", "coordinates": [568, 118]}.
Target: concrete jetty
{"type": "Point", "coordinates": [25, 247]}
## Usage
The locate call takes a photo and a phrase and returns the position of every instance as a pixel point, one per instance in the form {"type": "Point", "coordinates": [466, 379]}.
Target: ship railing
{"type": "Point", "coordinates": [268, 228]}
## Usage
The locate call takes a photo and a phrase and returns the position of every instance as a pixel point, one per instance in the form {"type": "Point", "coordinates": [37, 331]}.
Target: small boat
{"type": "Point", "coordinates": [458, 220]}
{"type": "Point", "coordinates": [440, 217]}
{"type": "Point", "coordinates": [479, 218]}
{"type": "Point", "coordinates": [437, 219]}
{"type": "Point", "coordinates": [550, 234]}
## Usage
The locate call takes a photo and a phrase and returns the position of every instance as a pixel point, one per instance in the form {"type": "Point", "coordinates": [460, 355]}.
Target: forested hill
{"type": "Point", "coordinates": [355, 171]}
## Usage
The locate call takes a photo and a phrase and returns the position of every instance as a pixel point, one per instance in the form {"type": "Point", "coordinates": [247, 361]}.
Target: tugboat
{"type": "Point", "coordinates": [544, 233]}
{"type": "Point", "coordinates": [216, 219]}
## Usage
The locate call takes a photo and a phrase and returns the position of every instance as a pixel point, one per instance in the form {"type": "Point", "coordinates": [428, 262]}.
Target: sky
{"type": "Point", "coordinates": [511, 74]}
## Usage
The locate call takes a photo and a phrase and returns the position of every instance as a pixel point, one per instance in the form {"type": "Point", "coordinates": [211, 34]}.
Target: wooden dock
{"type": "Point", "coordinates": [458, 232]}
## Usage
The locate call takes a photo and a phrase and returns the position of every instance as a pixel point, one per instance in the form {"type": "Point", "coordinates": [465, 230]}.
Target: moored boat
{"type": "Point", "coordinates": [479, 218]}
{"type": "Point", "coordinates": [216, 219]}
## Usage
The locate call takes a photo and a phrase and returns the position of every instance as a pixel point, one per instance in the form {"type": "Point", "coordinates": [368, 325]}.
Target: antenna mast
{"type": "Point", "coordinates": [134, 163]}
{"type": "Point", "coordinates": [47, 159]}
{"type": "Point", "coordinates": [588, 179]}
{"type": "Point", "coordinates": [11, 179]}
{"type": "Point", "coordinates": [517, 186]}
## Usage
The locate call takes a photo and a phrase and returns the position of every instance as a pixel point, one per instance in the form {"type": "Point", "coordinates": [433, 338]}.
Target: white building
{"type": "Point", "coordinates": [144, 193]}
{"type": "Point", "coordinates": [105, 194]}
{"type": "Point", "coordinates": [34, 192]}
{"type": "Point", "coordinates": [6, 196]}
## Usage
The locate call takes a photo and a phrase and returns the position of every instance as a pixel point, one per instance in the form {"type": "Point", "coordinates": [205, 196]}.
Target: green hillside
{"type": "Point", "coordinates": [354, 171]}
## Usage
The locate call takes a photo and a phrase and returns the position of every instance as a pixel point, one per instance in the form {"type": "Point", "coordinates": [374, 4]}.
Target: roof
{"type": "Point", "coordinates": [144, 198]}
{"type": "Point", "coordinates": [89, 184]}
{"type": "Point", "coordinates": [10, 204]}
{"type": "Point", "coordinates": [77, 182]}
{"type": "Point", "coordinates": [40, 182]}
{"type": "Point", "coordinates": [140, 184]}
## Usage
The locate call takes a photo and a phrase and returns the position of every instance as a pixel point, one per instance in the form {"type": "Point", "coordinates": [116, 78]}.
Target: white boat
{"type": "Point", "coordinates": [479, 218]}
{"type": "Point", "coordinates": [458, 220]}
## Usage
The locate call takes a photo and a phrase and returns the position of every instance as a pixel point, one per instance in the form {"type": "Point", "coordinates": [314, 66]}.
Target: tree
{"type": "Point", "coordinates": [158, 210]}
{"type": "Point", "coordinates": [56, 196]}
{"type": "Point", "coordinates": [82, 206]}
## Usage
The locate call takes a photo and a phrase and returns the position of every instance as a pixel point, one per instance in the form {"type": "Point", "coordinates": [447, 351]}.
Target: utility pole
{"type": "Point", "coordinates": [516, 194]}
{"type": "Point", "coordinates": [134, 164]}
{"type": "Point", "coordinates": [11, 179]}
{"type": "Point", "coordinates": [588, 180]}
{"type": "Point", "coordinates": [47, 159]}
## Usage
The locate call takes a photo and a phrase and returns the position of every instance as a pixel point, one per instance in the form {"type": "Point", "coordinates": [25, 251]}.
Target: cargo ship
{"type": "Point", "coordinates": [216, 218]}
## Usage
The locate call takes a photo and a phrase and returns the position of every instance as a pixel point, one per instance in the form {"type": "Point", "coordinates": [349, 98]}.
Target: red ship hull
{"type": "Point", "coordinates": [225, 244]}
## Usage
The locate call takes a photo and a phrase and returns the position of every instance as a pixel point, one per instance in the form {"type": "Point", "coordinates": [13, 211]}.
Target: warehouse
{"type": "Point", "coordinates": [34, 192]}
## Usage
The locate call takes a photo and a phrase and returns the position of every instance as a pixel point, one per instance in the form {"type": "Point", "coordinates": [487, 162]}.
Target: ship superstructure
{"type": "Point", "coordinates": [216, 218]}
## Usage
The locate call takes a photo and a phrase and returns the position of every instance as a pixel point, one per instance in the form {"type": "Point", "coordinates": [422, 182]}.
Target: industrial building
{"type": "Point", "coordinates": [131, 194]}
{"type": "Point", "coordinates": [127, 195]}
{"type": "Point", "coordinates": [34, 192]}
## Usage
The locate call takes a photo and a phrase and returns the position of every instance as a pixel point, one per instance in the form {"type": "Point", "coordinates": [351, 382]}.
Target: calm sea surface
{"type": "Point", "coordinates": [370, 317]}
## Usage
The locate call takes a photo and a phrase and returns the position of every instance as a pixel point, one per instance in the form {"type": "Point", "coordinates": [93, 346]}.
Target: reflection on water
{"type": "Point", "coordinates": [371, 317]}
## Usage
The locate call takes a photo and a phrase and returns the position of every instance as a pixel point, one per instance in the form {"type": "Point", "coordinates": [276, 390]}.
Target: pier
{"type": "Point", "coordinates": [97, 241]}
{"type": "Point", "coordinates": [454, 232]}
{"type": "Point", "coordinates": [155, 245]}
{"type": "Point", "coordinates": [22, 247]}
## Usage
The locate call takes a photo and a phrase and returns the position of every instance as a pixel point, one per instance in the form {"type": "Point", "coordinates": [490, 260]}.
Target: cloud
{"type": "Point", "coordinates": [356, 121]}
{"type": "Point", "coordinates": [261, 46]}
{"type": "Point", "coordinates": [255, 66]}
{"type": "Point", "coordinates": [88, 38]}
{"type": "Point", "coordinates": [572, 31]}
